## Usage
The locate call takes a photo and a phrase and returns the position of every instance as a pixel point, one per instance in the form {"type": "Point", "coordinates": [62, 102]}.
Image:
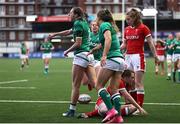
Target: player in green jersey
{"type": "Point", "coordinates": [23, 55]}
{"type": "Point", "coordinates": [46, 47]}
{"type": "Point", "coordinates": [176, 56]}
{"type": "Point", "coordinates": [94, 42]}
{"type": "Point", "coordinates": [169, 54]}
{"type": "Point", "coordinates": [82, 62]}
{"type": "Point", "coordinates": [112, 65]}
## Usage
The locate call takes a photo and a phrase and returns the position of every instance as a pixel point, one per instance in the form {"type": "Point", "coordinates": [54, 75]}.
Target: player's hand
{"type": "Point", "coordinates": [82, 115]}
{"type": "Point", "coordinates": [50, 35]}
{"type": "Point", "coordinates": [103, 60]}
{"type": "Point", "coordinates": [90, 52]}
{"type": "Point", "coordinates": [123, 46]}
{"type": "Point", "coordinates": [66, 53]}
{"type": "Point", "coordinates": [142, 111]}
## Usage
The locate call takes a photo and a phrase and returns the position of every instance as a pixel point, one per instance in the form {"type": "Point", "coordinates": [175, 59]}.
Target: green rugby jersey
{"type": "Point", "coordinates": [177, 46]}
{"type": "Point", "coordinates": [168, 43]}
{"type": "Point", "coordinates": [115, 45]}
{"type": "Point", "coordinates": [47, 46]}
{"type": "Point", "coordinates": [94, 41]}
{"type": "Point", "coordinates": [81, 29]}
{"type": "Point", "coordinates": [23, 49]}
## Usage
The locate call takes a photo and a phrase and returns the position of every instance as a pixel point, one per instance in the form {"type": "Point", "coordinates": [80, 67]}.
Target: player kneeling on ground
{"type": "Point", "coordinates": [126, 86]}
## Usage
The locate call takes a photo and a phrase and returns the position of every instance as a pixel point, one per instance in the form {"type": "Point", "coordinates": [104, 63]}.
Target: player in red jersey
{"type": "Point", "coordinates": [135, 35]}
{"type": "Point", "coordinates": [160, 50]}
{"type": "Point", "coordinates": [126, 85]}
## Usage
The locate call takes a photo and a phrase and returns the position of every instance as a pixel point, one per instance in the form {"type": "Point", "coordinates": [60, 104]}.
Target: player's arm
{"type": "Point", "coordinates": [152, 46]}
{"type": "Point", "coordinates": [89, 114]}
{"type": "Point", "coordinates": [128, 97]}
{"type": "Point", "coordinates": [172, 45]}
{"type": "Point", "coordinates": [52, 47]}
{"type": "Point", "coordinates": [123, 45]}
{"type": "Point", "coordinates": [20, 51]}
{"type": "Point", "coordinates": [107, 45]}
{"type": "Point", "coordinates": [42, 48]}
{"type": "Point", "coordinates": [76, 45]}
{"type": "Point", "coordinates": [28, 51]}
{"type": "Point", "coordinates": [62, 33]}
{"type": "Point", "coordinates": [99, 46]}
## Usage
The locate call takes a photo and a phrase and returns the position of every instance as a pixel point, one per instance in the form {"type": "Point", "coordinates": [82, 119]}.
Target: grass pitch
{"type": "Point", "coordinates": [30, 96]}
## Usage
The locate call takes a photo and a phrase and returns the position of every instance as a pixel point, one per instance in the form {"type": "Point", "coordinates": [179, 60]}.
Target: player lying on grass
{"type": "Point", "coordinates": [126, 85]}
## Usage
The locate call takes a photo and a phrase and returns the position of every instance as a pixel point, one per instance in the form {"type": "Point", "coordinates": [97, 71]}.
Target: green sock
{"type": "Point", "coordinates": [178, 76]}
{"type": "Point", "coordinates": [174, 76]}
{"type": "Point", "coordinates": [116, 101]}
{"type": "Point", "coordinates": [106, 97]}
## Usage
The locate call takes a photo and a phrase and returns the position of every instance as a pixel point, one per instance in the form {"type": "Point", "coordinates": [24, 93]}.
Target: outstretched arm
{"type": "Point", "coordinates": [62, 33]}
{"type": "Point", "coordinates": [99, 46]}
{"type": "Point", "coordinates": [130, 99]}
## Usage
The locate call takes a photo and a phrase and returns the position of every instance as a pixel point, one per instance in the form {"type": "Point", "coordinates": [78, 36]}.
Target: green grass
{"type": "Point", "coordinates": [56, 86]}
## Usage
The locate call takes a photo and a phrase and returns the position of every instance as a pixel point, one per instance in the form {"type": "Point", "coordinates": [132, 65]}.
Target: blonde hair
{"type": "Point", "coordinates": [136, 15]}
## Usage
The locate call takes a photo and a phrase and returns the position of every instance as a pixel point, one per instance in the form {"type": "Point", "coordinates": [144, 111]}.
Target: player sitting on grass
{"type": "Point", "coordinates": [126, 85]}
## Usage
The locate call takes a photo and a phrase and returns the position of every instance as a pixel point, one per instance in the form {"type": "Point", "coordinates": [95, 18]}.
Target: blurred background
{"type": "Point", "coordinates": [30, 20]}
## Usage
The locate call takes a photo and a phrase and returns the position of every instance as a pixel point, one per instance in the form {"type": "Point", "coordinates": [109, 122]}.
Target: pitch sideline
{"type": "Point", "coordinates": [14, 81]}
{"type": "Point", "coordinates": [30, 88]}
{"type": "Point", "coordinates": [65, 102]}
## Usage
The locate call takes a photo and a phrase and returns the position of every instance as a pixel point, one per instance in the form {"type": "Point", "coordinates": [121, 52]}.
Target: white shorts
{"type": "Point", "coordinates": [83, 60]}
{"type": "Point", "coordinates": [169, 58]}
{"type": "Point", "coordinates": [161, 58]}
{"type": "Point", "coordinates": [175, 57]}
{"type": "Point", "coordinates": [135, 62]}
{"type": "Point", "coordinates": [46, 56]}
{"type": "Point", "coordinates": [23, 56]}
{"type": "Point", "coordinates": [115, 64]}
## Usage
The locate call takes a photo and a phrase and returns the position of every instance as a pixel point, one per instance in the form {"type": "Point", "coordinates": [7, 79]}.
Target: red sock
{"type": "Point", "coordinates": [123, 112]}
{"type": "Point", "coordinates": [140, 99]}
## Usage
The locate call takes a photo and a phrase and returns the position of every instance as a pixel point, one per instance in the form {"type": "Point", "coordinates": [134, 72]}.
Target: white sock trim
{"type": "Point", "coordinates": [126, 110]}
{"type": "Point", "coordinates": [72, 107]}
{"type": "Point", "coordinates": [101, 90]}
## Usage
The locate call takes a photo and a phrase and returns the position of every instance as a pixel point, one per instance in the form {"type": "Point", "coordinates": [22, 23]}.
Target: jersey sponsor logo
{"type": "Point", "coordinates": [160, 48]}
{"type": "Point", "coordinates": [133, 37]}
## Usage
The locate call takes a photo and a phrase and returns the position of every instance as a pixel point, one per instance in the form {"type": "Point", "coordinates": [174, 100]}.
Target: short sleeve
{"type": "Point", "coordinates": [147, 31]}
{"type": "Point", "coordinates": [105, 26]}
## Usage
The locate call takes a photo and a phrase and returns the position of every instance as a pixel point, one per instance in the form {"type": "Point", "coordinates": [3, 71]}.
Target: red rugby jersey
{"type": "Point", "coordinates": [135, 37]}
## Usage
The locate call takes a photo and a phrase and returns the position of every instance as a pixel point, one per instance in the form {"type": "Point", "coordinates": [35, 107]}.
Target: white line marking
{"type": "Point", "coordinates": [64, 102]}
{"type": "Point", "coordinates": [31, 88]}
{"type": "Point", "coordinates": [15, 81]}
